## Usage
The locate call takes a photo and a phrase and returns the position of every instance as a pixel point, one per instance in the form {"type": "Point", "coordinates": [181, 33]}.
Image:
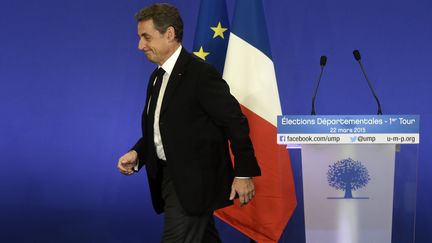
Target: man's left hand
{"type": "Point", "coordinates": [244, 188]}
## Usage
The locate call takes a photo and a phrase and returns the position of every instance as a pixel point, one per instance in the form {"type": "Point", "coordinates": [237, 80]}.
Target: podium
{"type": "Point", "coordinates": [359, 175]}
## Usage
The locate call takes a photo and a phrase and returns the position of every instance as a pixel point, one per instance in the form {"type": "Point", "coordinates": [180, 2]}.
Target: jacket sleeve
{"type": "Point", "coordinates": [215, 98]}
{"type": "Point", "coordinates": [139, 147]}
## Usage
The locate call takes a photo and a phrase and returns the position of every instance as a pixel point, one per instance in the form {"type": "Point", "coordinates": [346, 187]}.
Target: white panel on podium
{"type": "Point", "coordinates": [348, 192]}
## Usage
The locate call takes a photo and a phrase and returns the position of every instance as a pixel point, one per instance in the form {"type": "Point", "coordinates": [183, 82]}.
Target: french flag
{"type": "Point", "coordinates": [250, 73]}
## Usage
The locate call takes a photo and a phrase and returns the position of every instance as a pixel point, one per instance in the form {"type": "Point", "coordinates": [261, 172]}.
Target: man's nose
{"type": "Point", "coordinates": [141, 44]}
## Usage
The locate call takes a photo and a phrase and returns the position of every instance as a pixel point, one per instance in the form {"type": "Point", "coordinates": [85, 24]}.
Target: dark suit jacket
{"type": "Point", "coordinates": [198, 117]}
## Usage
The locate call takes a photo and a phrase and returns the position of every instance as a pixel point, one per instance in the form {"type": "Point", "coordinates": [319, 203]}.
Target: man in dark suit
{"type": "Point", "coordinates": [189, 121]}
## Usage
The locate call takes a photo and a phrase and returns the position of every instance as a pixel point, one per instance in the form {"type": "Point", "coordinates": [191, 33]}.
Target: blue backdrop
{"type": "Point", "coordinates": [72, 86]}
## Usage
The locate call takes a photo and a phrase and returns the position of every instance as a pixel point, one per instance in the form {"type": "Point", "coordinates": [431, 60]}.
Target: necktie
{"type": "Point", "coordinates": [154, 94]}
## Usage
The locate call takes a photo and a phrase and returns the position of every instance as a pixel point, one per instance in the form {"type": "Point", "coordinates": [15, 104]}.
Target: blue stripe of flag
{"type": "Point", "coordinates": [249, 24]}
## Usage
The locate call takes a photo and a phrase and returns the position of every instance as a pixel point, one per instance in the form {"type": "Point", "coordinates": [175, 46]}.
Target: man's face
{"type": "Point", "coordinates": [156, 46]}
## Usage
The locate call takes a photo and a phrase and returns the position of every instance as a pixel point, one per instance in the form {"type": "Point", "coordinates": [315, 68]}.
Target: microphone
{"type": "Point", "coordinates": [357, 56]}
{"type": "Point", "coordinates": [323, 61]}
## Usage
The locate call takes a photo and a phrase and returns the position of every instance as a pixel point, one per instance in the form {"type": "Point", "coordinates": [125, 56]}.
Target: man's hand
{"type": "Point", "coordinates": [244, 188]}
{"type": "Point", "coordinates": [127, 162]}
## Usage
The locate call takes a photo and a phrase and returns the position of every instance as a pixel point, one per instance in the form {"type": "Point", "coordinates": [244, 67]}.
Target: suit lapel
{"type": "Point", "coordinates": [175, 78]}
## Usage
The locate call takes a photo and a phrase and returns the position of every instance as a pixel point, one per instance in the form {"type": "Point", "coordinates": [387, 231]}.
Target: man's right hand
{"type": "Point", "coordinates": [127, 162]}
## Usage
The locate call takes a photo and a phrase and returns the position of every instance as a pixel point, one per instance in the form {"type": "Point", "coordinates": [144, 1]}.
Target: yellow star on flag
{"type": "Point", "coordinates": [218, 31]}
{"type": "Point", "coordinates": [201, 53]}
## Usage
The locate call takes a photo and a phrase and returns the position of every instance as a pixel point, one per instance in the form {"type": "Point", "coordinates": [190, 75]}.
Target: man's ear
{"type": "Point", "coordinates": [170, 33]}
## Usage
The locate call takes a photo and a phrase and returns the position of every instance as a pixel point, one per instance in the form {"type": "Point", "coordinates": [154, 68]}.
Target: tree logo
{"type": "Point", "coordinates": [348, 175]}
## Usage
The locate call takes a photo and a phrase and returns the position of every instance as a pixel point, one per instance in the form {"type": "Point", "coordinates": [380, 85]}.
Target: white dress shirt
{"type": "Point", "coordinates": [168, 66]}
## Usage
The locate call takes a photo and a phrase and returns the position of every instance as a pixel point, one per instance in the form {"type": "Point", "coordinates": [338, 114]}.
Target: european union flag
{"type": "Point", "coordinates": [212, 33]}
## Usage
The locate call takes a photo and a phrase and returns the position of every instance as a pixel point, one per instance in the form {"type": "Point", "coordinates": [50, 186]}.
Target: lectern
{"type": "Point", "coordinates": [359, 175]}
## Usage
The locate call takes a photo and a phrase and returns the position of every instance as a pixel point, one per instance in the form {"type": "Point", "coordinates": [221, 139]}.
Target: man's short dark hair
{"type": "Point", "coordinates": [163, 15]}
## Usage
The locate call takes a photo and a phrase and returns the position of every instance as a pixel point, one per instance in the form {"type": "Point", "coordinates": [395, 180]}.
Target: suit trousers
{"type": "Point", "coordinates": [178, 225]}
